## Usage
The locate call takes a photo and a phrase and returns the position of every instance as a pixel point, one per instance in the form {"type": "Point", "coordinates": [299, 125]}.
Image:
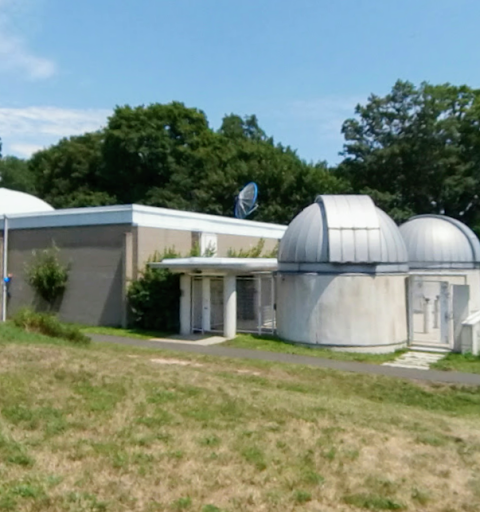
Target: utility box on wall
{"type": "Point", "coordinates": [207, 243]}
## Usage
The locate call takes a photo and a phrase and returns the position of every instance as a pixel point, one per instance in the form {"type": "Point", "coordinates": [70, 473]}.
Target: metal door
{"type": "Point", "coordinates": [197, 304]}
{"type": "Point", "coordinates": [216, 304]}
{"type": "Point", "coordinates": [460, 304]}
{"type": "Point", "coordinates": [429, 311]}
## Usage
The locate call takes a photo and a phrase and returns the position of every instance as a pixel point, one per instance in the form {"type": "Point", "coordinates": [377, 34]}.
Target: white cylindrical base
{"type": "Point", "coordinates": [347, 311]}
{"type": "Point", "coordinates": [185, 305]}
{"type": "Point", "coordinates": [229, 307]}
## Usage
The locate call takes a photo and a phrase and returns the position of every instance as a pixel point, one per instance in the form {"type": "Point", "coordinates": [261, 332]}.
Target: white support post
{"type": "Point", "coordinates": [274, 302]}
{"type": "Point", "coordinates": [229, 306]}
{"type": "Point", "coordinates": [206, 316]}
{"type": "Point", "coordinates": [436, 312]}
{"type": "Point", "coordinates": [5, 268]}
{"type": "Point", "coordinates": [185, 304]}
{"type": "Point", "coordinates": [426, 316]}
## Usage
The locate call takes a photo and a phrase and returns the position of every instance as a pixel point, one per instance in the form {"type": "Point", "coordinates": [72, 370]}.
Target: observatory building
{"type": "Point", "coordinates": [346, 276]}
{"type": "Point", "coordinates": [342, 271]}
{"type": "Point", "coordinates": [444, 290]}
{"type": "Point", "coordinates": [107, 247]}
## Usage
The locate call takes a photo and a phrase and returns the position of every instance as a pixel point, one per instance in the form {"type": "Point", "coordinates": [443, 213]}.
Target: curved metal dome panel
{"type": "Point", "coordinates": [342, 230]}
{"type": "Point", "coordinates": [392, 245]}
{"type": "Point", "coordinates": [437, 241]}
{"type": "Point", "coordinates": [305, 239]}
{"type": "Point", "coordinates": [14, 202]}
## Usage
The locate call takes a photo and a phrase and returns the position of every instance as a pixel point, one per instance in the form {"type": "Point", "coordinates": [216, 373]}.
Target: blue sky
{"type": "Point", "coordinates": [299, 65]}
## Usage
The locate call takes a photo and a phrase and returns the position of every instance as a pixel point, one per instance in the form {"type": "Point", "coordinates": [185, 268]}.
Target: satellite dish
{"type": "Point", "coordinates": [246, 201]}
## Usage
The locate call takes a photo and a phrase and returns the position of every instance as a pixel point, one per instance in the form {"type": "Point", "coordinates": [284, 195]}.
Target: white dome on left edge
{"type": "Point", "coordinates": [14, 202]}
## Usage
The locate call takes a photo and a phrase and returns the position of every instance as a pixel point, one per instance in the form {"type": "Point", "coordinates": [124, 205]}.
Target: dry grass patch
{"type": "Point", "coordinates": [96, 430]}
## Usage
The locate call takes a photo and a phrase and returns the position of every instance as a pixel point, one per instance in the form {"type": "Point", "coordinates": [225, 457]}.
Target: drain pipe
{"type": "Point", "coordinates": [5, 264]}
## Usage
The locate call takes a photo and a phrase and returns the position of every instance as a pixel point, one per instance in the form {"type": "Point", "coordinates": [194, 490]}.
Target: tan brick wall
{"type": "Point", "coordinates": [234, 242]}
{"type": "Point", "coordinates": [94, 292]}
{"type": "Point", "coordinates": [149, 240]}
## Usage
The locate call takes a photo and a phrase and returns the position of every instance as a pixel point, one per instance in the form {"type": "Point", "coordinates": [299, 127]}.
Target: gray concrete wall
{"type": "Point", "coordinates": [354, 312]}
{"type": "Point", "coordinates": [94, 293]}
{"type": "Point", "coordinates": [104, 260]}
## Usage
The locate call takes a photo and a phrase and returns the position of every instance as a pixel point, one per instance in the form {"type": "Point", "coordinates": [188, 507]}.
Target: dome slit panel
{"type": "Point", "coordinates": [323, 251]}
{"type": "Point", "coordinates": [361, 245]}
{"type": "Point", "coordinates": [374, 245]}
{"type": "Point", "coordinates": [307, 241]}
{"type": "Point", "coordinates": [314, 229]}
{"type": "Point", "coordinates": [301, 247]}
{"type": "Point", "coordinates": [335, 252]}
{"type": "Point", "coordinates": [393, 246]}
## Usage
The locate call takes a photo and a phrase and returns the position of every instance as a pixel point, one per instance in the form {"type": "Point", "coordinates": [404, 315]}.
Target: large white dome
{"type": "Point", "coordinates": [438, 241]}
{"type": "Point", "coordinates": [14, 202]}
{"type": "Point", "coordinates": [342, 233]}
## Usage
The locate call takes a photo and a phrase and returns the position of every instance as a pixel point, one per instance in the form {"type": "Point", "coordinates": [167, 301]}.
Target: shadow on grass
{"type": "Point", "coordinates": [123, 333]}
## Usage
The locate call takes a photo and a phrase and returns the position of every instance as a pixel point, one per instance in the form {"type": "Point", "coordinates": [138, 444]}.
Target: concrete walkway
{"type": "Point", "coordinates": [277, 357]}
{"type": "Point", "coordinates": [193, 339]}
{"type": "Point", "coordinates": [415, 359]}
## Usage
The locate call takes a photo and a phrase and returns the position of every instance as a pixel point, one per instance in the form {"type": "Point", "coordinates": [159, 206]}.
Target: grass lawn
{"type": "Point", "coordinates": [459, 362]}
{"type": "Point", "coordinates": [272, 344]}
{"type": "Point", "coordinates": [114, 428]}
{"type": "Point", "coordinates": [124, 333]}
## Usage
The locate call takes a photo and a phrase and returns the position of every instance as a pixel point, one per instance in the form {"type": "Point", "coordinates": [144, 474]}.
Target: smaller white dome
{"type": "Point", "coordinates": [14, 202]}
{"type": "Point", "coordinates": [438, 241]}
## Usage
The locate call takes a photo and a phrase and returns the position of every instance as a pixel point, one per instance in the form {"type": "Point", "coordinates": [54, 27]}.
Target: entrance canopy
{"type": "Point", "coordinates": [218, 266]}
{"type": "Point", "coordinates": [225, 294]}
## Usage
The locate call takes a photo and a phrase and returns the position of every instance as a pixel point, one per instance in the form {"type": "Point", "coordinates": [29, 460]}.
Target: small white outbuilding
{"type": "Point", "coordinates": [444, 288]}
{"type": "Point", "coordinates": [341, 283]}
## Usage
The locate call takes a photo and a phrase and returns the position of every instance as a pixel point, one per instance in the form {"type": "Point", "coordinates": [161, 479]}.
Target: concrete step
{"type": "Point", "coordinates": [438, 349]}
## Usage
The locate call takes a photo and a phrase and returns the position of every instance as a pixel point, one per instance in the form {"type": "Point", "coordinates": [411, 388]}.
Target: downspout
{"type": "Point", "coordinates": [5, 264]}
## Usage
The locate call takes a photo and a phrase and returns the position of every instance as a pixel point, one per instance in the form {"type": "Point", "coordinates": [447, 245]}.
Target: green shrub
{"type": "Point", "coordinates": [47, 275]}
{"type": "Point", "coordinates": [254, 252]}
{"type": "Point", "coordinates": [49, 325]}
{"type": "Point", "coordinates": [154, 298]}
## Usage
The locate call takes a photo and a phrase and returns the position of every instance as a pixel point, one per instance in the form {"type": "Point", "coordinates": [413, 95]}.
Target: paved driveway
{"type": "Point", "coordinates": [276, 357]}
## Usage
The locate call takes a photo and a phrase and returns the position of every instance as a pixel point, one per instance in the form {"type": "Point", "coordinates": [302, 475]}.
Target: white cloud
{"type": "Point", "coordinates": [25, 130]}
{"type": "Point", "coordinates": [24, 150]}
{"type": "Point", "coordinates": [15, 56]}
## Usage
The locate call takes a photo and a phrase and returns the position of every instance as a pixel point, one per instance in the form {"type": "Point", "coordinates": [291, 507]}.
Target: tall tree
{"type": "Point", "coordinates": [244, 153]}
{"type": "Point", "coordinates": [70, 173]}
{"type": "Point", "coordinates": [167, 155]}
{"type": "Point", "coordinates": [152, 154]}
{"type": "Point", "coordinates": [417, 150]}
{"type": "Point", "coordinates": [16, 175]}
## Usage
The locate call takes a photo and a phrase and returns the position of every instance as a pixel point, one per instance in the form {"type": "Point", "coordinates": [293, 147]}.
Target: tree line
{"type": "Point", "coordinates": [415, 150]}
